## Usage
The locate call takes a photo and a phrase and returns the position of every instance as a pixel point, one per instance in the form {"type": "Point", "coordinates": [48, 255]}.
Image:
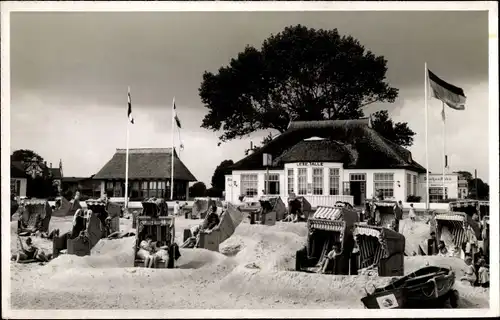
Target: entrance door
{"type": "Point", "coordinates": [357, 186]}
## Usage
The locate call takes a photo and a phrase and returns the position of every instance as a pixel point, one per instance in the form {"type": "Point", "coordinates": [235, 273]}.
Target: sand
{"type": "Point", "coordinates": [254, 269]}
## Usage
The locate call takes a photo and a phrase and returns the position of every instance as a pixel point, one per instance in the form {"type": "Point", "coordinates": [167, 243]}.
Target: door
{"type": "Point", "coordinates": [355, 187]}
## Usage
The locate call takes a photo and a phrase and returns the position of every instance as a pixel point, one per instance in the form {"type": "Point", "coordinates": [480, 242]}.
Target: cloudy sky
{"type": "Point", "coordinates": [70, 72]}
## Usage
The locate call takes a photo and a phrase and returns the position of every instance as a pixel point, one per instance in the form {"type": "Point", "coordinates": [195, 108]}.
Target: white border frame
{"type": "Point", "coordinates": [491, 6]}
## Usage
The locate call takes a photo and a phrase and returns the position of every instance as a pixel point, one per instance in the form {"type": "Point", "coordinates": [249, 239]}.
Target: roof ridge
{"type": "Point", "coordinates": [144, 150]}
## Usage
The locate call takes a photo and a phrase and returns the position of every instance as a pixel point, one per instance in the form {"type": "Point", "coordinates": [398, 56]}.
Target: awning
{"type": "Point", "coordinates": [463, 204]}
{"type": "Point", "coordinates": [328, 213]}
{"type": "Point", "coordinates": [326, 225]}
{"type": "Point", "coordinates": [451, 217]}
{"type": "Point", "coordinates": [484, 203]}
{"type": "Point", "coordinates": [95, 203]}
{"type": "Point", "coordinates": [383, 203]}
{"type": "Point", "coordinates": [33, 202]}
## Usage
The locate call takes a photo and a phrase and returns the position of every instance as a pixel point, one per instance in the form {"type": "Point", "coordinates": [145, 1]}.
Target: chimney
{"type": "Point", "coordinates": [51, 165]}
{"type": "Point", "coordinates": [250, 151]}
{"type": "Point", "coordinates": [45, 163]}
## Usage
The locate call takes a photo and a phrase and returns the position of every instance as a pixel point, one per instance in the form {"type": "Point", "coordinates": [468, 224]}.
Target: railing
{"type": "Point", "coordinates": [320, 200]}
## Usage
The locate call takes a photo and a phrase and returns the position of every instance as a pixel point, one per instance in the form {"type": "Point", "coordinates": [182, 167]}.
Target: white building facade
{"type": "Point", "coordinates": [323, 183]}
{"type": "Point", "coordinates": [455, 187]}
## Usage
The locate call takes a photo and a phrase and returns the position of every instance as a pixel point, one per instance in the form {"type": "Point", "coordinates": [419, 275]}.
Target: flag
{"type": "Point", "coordinates": [177, 121]}
{"type": "Point", "coordinates": [443, 114]}
{"type": "Point", "coordinates": [129, 114]}
{"type": "Point", "coordinates": [446, 161]}
{"type": "Point", "coordinates": [452, 96]}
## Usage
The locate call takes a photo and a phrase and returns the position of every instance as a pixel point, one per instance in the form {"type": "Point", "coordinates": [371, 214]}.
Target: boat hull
{"type": "Point", "coordinates": [429, 287]}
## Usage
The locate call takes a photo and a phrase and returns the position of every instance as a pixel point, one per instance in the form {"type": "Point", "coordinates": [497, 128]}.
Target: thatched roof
{"type": "Point", "coordinates": [325, 150]}
{"type": "Point", "coordinates": [352, 142]}
{"type": "Point", "coordinates": [145, 163]}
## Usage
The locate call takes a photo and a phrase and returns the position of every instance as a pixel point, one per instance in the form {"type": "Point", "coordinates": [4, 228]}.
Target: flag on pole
{"type": "Point", "coordinates": [176, 118]}
{"type": "Point", "coordinates": [129, 114]}
{"type": "Point", "coordinates": [452, 96]}
{"type": "Point", "coordinates": [443, 114]}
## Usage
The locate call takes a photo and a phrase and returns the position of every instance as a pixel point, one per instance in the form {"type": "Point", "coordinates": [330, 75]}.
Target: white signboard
{"type": "Point", "coordinates": [267, 159]}
{"type": "Point", "coordinates": [387, 302]}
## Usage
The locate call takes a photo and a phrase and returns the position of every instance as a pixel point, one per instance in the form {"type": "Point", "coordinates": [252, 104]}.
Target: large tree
{"type": "Point", "coordinates": [40, 183]}
{"type": "Point", "coordinates": [199, 189]}
{"type": "Point", "coordinates": [297, 74]}
{"type": "Point", "coordinates": [218, 178]}
{"type": "Point", "coordinates": [397, 132]}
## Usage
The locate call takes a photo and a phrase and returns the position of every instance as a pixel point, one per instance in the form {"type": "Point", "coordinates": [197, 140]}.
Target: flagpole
{"type": "Point", "coordinates": [444, 148]}
{"type": "Point", "coordinates": [426, 143]}
{"type": "Point", "coordinates": [126, 156]}
{"type": "Point", "coordinates": [173, 150]}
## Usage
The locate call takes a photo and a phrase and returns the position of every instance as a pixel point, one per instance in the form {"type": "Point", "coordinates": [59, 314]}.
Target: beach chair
{"type": "Point", "coordinates": [162, 229]}
{"type": "Point", "coordinates": [380, 247]}
{"type": "Point", "coordinates": [328, 225]}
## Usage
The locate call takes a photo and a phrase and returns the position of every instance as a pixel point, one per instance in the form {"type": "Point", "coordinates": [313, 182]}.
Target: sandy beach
{"type": "Point", "coordinates": [254, 269]}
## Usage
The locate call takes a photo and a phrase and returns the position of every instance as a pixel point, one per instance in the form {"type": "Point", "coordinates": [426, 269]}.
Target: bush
{"type": "Point", "coordinates": [412, 198]}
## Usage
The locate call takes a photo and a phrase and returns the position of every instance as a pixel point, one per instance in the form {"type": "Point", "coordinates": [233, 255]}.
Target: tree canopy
{"type": "Point", "coordinates": [199, 189]}
{"type": "Point", "coordinates": [218, 178]}
{"type": "Point", "coordinates": [298, 74]}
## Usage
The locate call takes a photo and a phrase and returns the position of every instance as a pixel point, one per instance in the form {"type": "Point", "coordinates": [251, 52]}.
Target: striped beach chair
{"type": "Point", "coordinates": [329, 225]}
{"type": "Point", "coordinates": [456, 223]}
{"type": "Point", "coordinates": [380, 247]}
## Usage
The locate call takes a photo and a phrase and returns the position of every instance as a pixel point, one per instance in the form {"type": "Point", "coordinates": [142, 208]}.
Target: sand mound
{"type": "Point", "coordinates": [264, 247]}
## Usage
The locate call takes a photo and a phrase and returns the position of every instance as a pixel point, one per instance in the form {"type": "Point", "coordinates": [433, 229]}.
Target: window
{"type": "Point", "coordinates": [357, 177]}
{"type": "Point", "coordinates": [385, 183]}
{"type": "Point", "coordinates": [161, 189]}
{"type": "Point", "coordinates": [117, 190]}
{"type": "Point", "coordinates": [152, 189]}
{"type": "Point", "coordinates": [249, 185]}
{"type": "Point", "coordinates": [436, 194]}
{"type": "Point", "coordinates": [109, 185]}
{"type": "Point", "coordinates": [274, 183]}
{"type": "Point", "coordinates": [317, 175]}
{"type": "Point", "coordinates": [302, 180]}
{"type": "Point", "coordinates": [15, 187]}
{"type": "Point", "coordinates": [290, 181]}
{"type": "Point", "coordinates": [334, 181]}
{"type": "Point", "coordinates": [408, 185]}
{"type": "Point", "coordinates": [144, 189]}
{"type": "Point", "coordinates": [415, 192]}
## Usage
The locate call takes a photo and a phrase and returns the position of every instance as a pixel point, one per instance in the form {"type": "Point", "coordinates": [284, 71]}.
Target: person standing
{"type": "Point", "coordinates": [398, 215]}
{"type": "Point", "coordinates": [176, 209]}
{"type": "Point", "coordinates": [412, 213]}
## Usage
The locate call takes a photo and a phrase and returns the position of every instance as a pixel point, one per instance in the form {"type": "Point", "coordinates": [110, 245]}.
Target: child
{"type": "Point", "coordinates": [330, 256]}
{"type": "Point", "coordinates": [484, 274]}
{"type": "Point", "coordinates": [412, 214]}
{"type": "Point", "coordinates": [470, 272]}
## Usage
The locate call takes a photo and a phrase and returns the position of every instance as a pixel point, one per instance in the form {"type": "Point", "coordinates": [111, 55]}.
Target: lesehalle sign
{"type": "Point", "coordinates": [312, 164]}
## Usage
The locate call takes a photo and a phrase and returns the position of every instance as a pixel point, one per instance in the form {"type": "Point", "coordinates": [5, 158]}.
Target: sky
{"type": "Point", "coordinates": [70, 73]}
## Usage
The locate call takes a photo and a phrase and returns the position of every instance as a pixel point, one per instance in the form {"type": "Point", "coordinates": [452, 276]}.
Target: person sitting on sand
{"type": "Point", "coordinates": [330, 257]}
{"type": "Point", "coordinates": [442, 251]}
{"type": "Point", "coordinates": [146, 252]}
{"type": "Point", "coordinates": [470, 271]}
{"type": "Point", "coordinates": [483, 274]}
{"type": "Point", "coordinates": [30, 252]}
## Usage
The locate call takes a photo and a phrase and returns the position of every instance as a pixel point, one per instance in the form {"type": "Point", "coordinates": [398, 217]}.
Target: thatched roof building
{"type": "Point", "coordinates": [351, 142]}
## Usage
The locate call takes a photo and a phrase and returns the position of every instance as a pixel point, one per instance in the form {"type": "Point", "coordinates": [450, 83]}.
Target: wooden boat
{"type": "Point", "coordinates": [429, 287]}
